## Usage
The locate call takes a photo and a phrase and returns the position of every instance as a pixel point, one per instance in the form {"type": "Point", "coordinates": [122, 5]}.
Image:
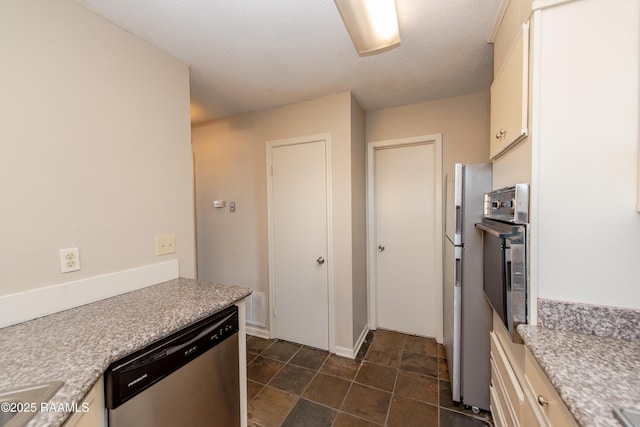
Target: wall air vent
{"type": "Point", "coordinates": [257, 309]}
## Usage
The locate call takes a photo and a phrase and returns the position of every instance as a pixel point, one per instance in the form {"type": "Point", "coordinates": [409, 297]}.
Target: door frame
{"type": "Point", "coordinates": [372, 286]}
{"type": "Point", "coordinates": [270, 145]}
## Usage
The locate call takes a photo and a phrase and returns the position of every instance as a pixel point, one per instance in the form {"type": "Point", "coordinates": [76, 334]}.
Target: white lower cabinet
{"type": "Point", "coordinates": [507, 395]}
{"type": "Point", "coordinates": [521, 394]}
{"type": "Point", "coordinates": [544, 405]}
{"type": "Point", "coordinates": [497, 411]}
{"type": "Point", "coordinates": [95, 416]}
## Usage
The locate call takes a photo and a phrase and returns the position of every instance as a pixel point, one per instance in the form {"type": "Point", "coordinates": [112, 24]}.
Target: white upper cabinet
{"type": "Point", "coordinates": [509, 97]}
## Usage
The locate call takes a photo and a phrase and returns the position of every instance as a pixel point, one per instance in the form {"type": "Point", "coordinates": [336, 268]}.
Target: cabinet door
{"type": "Point", "coordinates": [544, 403]}
{"type": "Point", "coordinates": [509, 97]}
{"type": "Point", "coordinates": [530, 417]}
{"type": "Point", "coordinates": [509, 394]}
{"type": "Point", "coordinates": [497, 412]}
{"type": "Point", "coordinates": [94, 405]}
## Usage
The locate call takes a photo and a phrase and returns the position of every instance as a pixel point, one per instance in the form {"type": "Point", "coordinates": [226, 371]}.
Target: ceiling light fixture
{"type": "Point", "coordinates": [372, 24]}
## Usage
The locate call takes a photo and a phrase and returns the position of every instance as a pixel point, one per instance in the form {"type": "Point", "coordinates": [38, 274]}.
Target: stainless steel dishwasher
{"type": "Point", "coordinates": [190, 378]}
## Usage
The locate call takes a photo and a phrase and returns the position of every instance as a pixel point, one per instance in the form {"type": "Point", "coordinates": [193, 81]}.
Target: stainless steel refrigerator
{"type": "Point", "coordinates": [467, 314]}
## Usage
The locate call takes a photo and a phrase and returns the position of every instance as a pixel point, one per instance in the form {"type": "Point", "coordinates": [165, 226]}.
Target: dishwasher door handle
{"type": "Point", "coordinates": [205, 332]}
{"type": "Point", "coordinates": [154, 356]}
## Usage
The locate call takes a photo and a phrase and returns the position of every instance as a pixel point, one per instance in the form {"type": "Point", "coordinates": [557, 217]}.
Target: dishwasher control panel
{"type": "Point", "coordinates": [134, 373]}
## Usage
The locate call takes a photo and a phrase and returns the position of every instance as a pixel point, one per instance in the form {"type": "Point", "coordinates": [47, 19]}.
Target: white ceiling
{"type": "Point", "coordinates": [247, 55]}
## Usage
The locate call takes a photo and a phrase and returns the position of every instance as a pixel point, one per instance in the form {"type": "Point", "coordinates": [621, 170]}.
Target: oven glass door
{"type": "Point", "coordinates": [505, 271]}
{"type": "Point", "coordinates": [495, 274]}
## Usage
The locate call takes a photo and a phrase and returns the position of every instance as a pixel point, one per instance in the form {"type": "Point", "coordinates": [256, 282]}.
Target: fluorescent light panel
{"type": "Point", "coordinates": [372, 24]}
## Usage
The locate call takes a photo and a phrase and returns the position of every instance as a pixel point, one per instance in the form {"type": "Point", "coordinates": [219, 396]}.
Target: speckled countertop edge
{"type": "Point", "coordinates": [591, 374]}
{"type": "Point", "coordinates": [77, 345]}
{"type": "Point", "coordinates": [590, 319]}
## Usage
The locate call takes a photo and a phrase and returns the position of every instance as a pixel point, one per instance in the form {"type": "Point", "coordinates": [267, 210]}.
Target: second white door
{"type": "Point", "coordinates": [408, 292]}
{"type": "Point", "coordinates": [298, 241]}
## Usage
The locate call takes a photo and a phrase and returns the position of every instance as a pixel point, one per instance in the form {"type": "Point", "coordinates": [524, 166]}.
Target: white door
{"type": "Point", "coordinates": [298, 241]}
{"type": "Point", "coordinates": [409, 296]}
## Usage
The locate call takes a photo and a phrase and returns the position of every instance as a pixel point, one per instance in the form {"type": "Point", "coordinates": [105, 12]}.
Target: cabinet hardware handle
{"type": "Point", "coordinates": [500, 133]}
{"type": "Point", "coordinates": [542, 401]}
{"type": "Point", "coordinates": [320, 260]}
{"type": "Point", "coordinates": [380, 248]}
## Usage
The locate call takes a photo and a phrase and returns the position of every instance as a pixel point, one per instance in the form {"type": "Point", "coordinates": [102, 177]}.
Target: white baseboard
{"type": "Point", "coordinates": [258, 332]}
{"type": "Point", "coordinates": [361, 338]}
{"type": "Point", "coordinates": [345, 352]}
{"type": "Point", "coordinates": [351, 353]}
{"type": "Point", "coordinates": [23, 306]}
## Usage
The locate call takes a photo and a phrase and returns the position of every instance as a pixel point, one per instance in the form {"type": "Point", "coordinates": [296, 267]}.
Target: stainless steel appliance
{"type": "Point", "coordinates": [190, 378]}
{"type": "Point", "coordinates": [467, 316]}
{"type": "Point", "coordinates": [504, 242]}
{"type": "Point", "coordinates": [628, 417]}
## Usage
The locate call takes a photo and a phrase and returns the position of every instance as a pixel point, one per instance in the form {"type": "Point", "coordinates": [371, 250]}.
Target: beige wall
{"type": "Point", "coordinates": [585, 162]}
{"type": "Point", "coordinates": [230, 159]}
{"type": "Point", "coordinates": [582, 149]}
{"type": "Point", "coordinates": [230, 156]}
{"type": "Point", "coordinates": [359, 219]}
{"type": "Point", "coordinates": [513, 166]}
{"type": "Point", "coordinates": [230, 165]}
{"type": "Point", "coordinates": [94, 151]}
{"type": "Point", "coordinates": [462, 120]}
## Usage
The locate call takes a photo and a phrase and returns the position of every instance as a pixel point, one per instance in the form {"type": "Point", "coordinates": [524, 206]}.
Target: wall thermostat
{"type": "Point", "coordinates": [219, 203]}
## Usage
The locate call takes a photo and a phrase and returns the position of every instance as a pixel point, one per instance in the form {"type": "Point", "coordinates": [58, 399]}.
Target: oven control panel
{"type": "Point", "coordinates": [509, 204]}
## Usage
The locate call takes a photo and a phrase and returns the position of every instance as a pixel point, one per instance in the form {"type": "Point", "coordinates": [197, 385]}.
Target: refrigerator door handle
{"type": "Point", "coordinates": [457, 273]}
{"type": "Point", "coordinates": [458, 229]}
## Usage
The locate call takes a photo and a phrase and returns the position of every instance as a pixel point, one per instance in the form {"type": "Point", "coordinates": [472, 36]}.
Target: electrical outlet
{"type": "Point", "coordinates": [165, 244]}
{"type": "Point", "coordinates": [69, 260]}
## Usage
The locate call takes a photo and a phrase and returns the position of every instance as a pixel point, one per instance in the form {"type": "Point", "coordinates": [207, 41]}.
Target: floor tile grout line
{"type": "Point", "coordinates": [438, 399]}
{"type": "Point", "coordinates": [353, 380]}
{"type": "Point", "coordinates": [393, 392]}
{"type": "Point", "coordinates": [360, 362]}
{"type": "Point", "coordinates": [254, 359]}
{"type": "Point", "coordinates": [317, 371]}
{"type": "Point", "coordinates": [259, 391]}
{"type": "Point", "coordinates": [339, 409]}
{"type": "Point", "coordinates": [291, 357]}
{"type": "Point", "coordinates": [300, 396]}
{"type": "Point", "coordinates": [276, 374]}
{"type": "Point", "coordinates": [277, 360]}
{"type": "Point", "coordinates": [347, 394]}
{"type": "Point", "coordinates": [336, 410]}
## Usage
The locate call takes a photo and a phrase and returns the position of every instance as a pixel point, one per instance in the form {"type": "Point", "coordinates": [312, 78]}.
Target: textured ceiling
{"type": "Point", "coordinates": [247, 55]}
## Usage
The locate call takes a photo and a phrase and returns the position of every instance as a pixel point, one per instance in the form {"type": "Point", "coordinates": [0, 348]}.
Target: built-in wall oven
{"type": "Point", "coordinates": [504, 243]}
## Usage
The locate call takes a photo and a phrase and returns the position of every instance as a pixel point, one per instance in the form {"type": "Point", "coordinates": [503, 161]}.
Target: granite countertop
{"type": "Point", "coordinates": [77, 345]}
{"type": "Point", "coordinates": [592, 374]}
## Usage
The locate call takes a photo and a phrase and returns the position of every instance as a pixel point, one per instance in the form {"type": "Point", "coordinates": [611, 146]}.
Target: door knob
{"type": "Point", "coordinates": [380, 248]}
{"type": "Point", "coordinates": [320, 260]}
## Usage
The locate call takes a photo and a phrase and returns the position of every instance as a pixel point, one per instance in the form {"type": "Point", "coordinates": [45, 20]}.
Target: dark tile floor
{"type": "Point", "coordinates": [396, 380]}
